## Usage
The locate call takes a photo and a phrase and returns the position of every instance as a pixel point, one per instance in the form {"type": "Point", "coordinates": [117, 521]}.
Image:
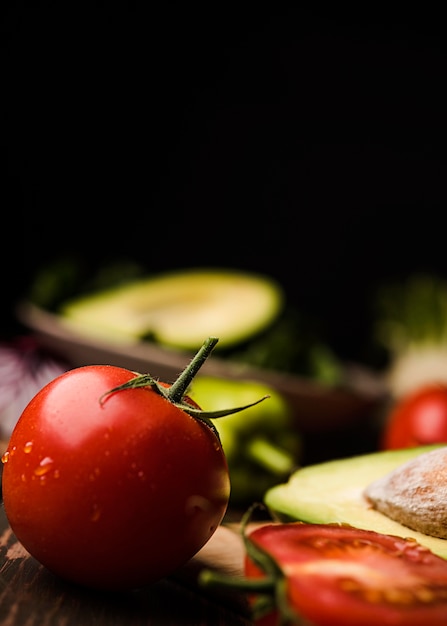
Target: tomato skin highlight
{"type": "Point", "coordinates": [342, 576]}
{"type": "Point", "coordinates": [112, 494]}
{"type": "Point", "coordinates": [419, 418]}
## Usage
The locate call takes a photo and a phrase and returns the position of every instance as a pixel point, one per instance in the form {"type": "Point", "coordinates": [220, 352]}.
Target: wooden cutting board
{"type": "Point", "coordinates": [31, 596]}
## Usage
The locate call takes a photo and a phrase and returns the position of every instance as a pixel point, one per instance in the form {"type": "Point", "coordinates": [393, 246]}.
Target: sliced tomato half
{"type": "Point", "coordinates": [336, 575]}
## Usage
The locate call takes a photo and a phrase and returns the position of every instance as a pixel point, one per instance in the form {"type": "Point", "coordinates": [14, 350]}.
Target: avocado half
{"type": "Point", "coordinates": [332, 492]}
{"type": "Point", "coordinates": [179, 309]}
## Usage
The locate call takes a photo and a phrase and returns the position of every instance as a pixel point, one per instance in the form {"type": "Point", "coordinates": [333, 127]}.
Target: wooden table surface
{"type": "Point", "coordinates": [30, 595]}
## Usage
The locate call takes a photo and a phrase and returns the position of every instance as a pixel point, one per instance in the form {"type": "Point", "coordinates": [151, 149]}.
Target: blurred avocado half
{"type": "Point", "coordinates": [180, 308]}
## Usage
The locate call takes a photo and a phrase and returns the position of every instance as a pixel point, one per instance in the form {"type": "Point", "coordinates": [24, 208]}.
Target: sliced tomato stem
{"type": "Point", "coordinates": [270, 589]}
{"type": "Point", "coordinates": [211, 578]}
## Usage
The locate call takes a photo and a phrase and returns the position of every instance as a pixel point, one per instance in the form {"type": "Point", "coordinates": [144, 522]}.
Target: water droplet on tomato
{"type": "Point", "coordinates": [5, 456]}
{"type": "Point", "coordinates": [28, 447]}
{"type": "Point", "coordinates": [44, 466]}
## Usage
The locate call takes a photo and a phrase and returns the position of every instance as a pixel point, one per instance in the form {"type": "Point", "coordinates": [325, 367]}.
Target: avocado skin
{"type": "Point", "coordinates": [332, 492]}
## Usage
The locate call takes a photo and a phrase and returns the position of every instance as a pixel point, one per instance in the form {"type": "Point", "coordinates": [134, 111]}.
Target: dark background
{"type": "Point", "coordinates": [306, 145]}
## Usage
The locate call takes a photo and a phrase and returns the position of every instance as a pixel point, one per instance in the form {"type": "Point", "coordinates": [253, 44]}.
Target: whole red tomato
{"type": "Point", "coordinates": [334, 575]}
{"type": "Point", "coordinates": [113, 488]}
{"type": "Point", "coordinates": [419, 418]}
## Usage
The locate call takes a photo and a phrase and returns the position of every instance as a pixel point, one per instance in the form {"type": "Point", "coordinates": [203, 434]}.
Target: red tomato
{"type": "Point", "coordinates": [116, 492]}
{"type": "Point", "coordinates": [342, 576]}
{"type": "Point", "coordinates": [417, 419]}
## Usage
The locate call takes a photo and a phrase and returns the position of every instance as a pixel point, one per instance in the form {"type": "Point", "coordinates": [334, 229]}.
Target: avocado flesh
{"type": "Point", "coordinates": [179, 309]}
{"type": "Point", "coordinates": [332, 492]}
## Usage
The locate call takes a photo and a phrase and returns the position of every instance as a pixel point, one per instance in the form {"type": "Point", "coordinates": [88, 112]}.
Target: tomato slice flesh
{"type": "Point", "coordinates": [342, 576]}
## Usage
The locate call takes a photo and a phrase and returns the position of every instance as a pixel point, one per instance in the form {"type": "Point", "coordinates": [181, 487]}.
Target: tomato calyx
{"type": "Point", "coordinates": [176, 393]}
{"type": "Point", "coordinates": [270, 591]}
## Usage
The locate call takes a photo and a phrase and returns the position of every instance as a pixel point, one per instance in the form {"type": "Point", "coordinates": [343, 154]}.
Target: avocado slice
{"type": "Point", "coordinates": [178, 309]}
{"type": "Point", "coordinates": [332, 492]}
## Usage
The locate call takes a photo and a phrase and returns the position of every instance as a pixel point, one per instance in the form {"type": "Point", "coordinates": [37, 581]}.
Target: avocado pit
{"type": "Point", "coordinates": [415, 493]}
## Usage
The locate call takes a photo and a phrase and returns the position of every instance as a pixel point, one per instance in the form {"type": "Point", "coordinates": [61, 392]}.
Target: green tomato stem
{"type": "Point", "coordinates": [176, 392]}
{"type": "Point", "coordinates": [178, 389]}
{"type": "Point", "coordinates": [213, 579]}
{"type": "Point", "coordinates": [272, 588]}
